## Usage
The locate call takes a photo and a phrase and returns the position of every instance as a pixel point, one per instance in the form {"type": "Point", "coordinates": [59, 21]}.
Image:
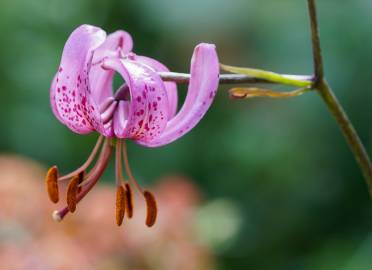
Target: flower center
{"type": "Point", "coordinates": [119, 101]}
{"type": "Point", "coordinates": [122, 93]}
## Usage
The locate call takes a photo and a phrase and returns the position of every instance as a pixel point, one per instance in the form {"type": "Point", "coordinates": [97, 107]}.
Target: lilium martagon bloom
{"type": "Point", "coordinates": [143, 109]}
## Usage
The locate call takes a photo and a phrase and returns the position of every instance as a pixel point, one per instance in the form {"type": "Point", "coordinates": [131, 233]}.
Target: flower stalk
{"type": "Point", "coordinates": [316, 82]}
{"type": "Point", "coordinates": [261, 76]}
{"type": "Point", "coordinates": [269, 76]}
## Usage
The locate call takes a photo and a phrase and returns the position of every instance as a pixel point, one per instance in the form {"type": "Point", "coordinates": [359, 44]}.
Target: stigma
{"type": "Point", "coordinates": [83, 179]}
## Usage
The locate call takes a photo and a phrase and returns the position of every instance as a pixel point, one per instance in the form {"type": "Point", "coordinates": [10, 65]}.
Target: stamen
{"type": "Point", "coordinates": [87, 163]}
{"type": "Point", "coordinates": [118, 167]}
{"type": "Point", "coordinates": [97, 170]}
{"type": "Point", "coordinates": [129, 200]}
{"type": "Point", "coordinates": [51, 180]}
{"type": "Point", "coordinates": [81, 179]}
{"type": "Point", "coordinates": [91, 180]}
{"type": "Point", "coordinates": [120, 204]}
{"type": "Point", "coordinates": [109, 112]}
{"type": "Point", "coordinates": [152, 209]}
{"type": "Point", "coordinates": [120, 180]}
{"type": "Point", "coordinates": [72, 191]}
{"type": "Point", "coordinates": [128, 170]}
{"type": "Point", "coordinates": [105, 104]}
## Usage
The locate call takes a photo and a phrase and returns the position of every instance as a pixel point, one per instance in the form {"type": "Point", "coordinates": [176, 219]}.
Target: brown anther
{"type": "Point", "coordinates": [81, 179]}
{"type": "Point", "coordinates": [152, 209]}
{"type": "Point", "coordinates": [72, 191]}
{"type": "Point", "coordinates": [129, 200]}
{"type": "Point", "coordinates": [120, 204]}
{"type": "Point", "coordinates": [51, 180]}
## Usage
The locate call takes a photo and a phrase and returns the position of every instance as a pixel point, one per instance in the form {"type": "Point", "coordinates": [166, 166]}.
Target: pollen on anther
{"type": "Point", "coordinates": [72, 191]}
{"type": "Point", "coordinates": [129, 200]}
{"type": "Point", "coordinates": [120, 204]}
{"type": "Point", "coordinates": [52, 184]}
{"type": "Point", "coordinates": [152, 209]}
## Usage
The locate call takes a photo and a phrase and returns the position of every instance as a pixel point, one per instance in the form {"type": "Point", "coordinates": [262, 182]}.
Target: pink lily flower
{"type": "Point", "coordinates": [143, 109]}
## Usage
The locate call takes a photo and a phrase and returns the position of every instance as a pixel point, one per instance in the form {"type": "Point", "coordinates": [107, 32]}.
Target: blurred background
{"type": "Point", "coordinates": [264, 184]}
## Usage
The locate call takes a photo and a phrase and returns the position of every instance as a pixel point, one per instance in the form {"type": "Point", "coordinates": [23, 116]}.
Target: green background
{"type": "Point", "coordinates": [282, 165]}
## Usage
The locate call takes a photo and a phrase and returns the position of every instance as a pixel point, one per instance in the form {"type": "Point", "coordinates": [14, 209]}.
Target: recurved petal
{"type": "Point", "coordinates": [201, 91]}
{"type": "Point", "coordinates": [117, 40]}
{"type": "Point", "coordinates": [117, 43]}
{"type": "Point", "coordinates": [148, 107]}
{"type": "Point", "coordinates": [171, 87]}
{"type": "Point", "coordinates": [71, 90]}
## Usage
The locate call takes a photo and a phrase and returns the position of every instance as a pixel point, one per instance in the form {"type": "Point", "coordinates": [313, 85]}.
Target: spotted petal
{"type": "Point", "coordinates": [53, 100]}
{"type": "Point", "coordinates": [146, 115]}
{"type": "Point", "coordinates": [171, 87]}
{"type": "Point", "coordinates": [71, 88]}
{"type": "Point", "coordinates": [117, 43]}
{"type": "Point", "coordinates": [201, 91]}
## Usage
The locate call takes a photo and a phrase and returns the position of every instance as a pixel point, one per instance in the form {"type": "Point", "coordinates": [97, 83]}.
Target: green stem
{"type": "Point", "coordinates": [315, 40]}
{"type": "Point", "coordinates": [268, 76]}
{"type": "Point", "coordinates": [348, 131]}
{"type": "Point", "coordinates": [333, 104]}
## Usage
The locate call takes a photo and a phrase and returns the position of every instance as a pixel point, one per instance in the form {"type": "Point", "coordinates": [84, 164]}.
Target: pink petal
{"type": "Point", "coordinates": [53, 100]}
{"type": "Point", "coordinates": [71, 90]}
{"type": "Point", "coordinates": [202, 89]}
{"type": "Point", "coordinates": [119, 42]}
{"type": "Point", "coordinates": [121, 118]}
{"type": "Point", "coordinates": [171, 87]}
{"type": "Point", "coordinates": [147, 114]}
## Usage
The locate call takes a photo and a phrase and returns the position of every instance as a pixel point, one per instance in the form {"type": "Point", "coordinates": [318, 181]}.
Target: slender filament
{"type": "Point", "coordinates": [118, 164]}
{"type": "Point", "coordinates": [93, 178]}
{"type": "Point", "coordinates": [87, 163]}
{"type": "Point", "coordinates": [128, 170]}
